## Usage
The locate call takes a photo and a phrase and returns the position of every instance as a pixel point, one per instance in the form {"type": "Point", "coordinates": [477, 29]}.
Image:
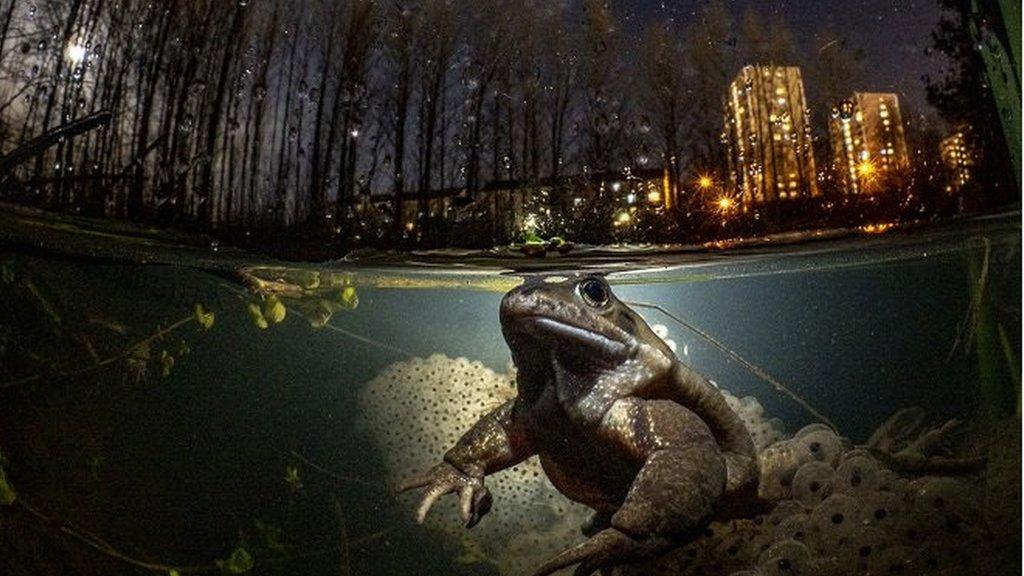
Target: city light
{"type": "Point", "coordinates": [622, 219]}
{"type": "Point", "coordinates": [866, 169]}
{"type": "Point", "coordinates": [76, 53]}
{"type": "Point", "coordinates": [725, 203]}
{"type": "Point", "coordinates": [705, 182]}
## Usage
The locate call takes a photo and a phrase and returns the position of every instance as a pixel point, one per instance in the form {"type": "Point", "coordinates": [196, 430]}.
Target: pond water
{"type": "Point", "coordinates": [218, 413]}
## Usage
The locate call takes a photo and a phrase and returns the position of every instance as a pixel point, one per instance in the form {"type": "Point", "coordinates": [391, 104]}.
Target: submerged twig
{"type": "Point", "coordinates": [326, 472]}
{"type": "Point", "coordinates": [99, 544]}
{"type": "Point", "coordinates": [344, 559]}
{"type": "Point", "coordinates": [106, 361]}
{"type": "Point", "coordinates": [757, 371]}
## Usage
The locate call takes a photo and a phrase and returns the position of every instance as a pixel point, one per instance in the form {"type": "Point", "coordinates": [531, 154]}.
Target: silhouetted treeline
{"type": "Point", "coordinates": [254, 115]}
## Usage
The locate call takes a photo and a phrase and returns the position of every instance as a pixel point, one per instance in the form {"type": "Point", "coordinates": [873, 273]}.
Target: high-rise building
{"type": "Point", "coordinates": [868, 144]}
{"type": "Point", "coordinates": [958, 158]}
{"type": "Point", "coordinates": [768, 135]}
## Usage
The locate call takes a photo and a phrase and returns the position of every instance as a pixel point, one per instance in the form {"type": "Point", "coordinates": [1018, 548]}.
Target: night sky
{"type": "Point", "coordinates": [893, 35]}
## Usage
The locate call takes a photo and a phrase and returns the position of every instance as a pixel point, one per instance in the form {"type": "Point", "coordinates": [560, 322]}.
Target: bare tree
{"type": "Point", "coordinates": [664, 95]}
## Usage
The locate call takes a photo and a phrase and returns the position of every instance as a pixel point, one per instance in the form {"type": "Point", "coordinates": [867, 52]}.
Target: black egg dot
{"type": "Point", "coordinates": [837, 518]}
{"type": "Point", "coordinates": [864, 551]}
{"type": "Point", "coordinates": [814, 446]}
{"type": "Point", "coordinates": [798, 536]}
{"type": "Point", "coordinates": [855, 480]}
{"type": "Point", "coordinates": [880, 514]}
{"type": "Point", "coordinates": [939, 502]}
{"type": "Point", "coordinates": [785, 564]}
{"type": "Point", "coordinates": [815, 486]}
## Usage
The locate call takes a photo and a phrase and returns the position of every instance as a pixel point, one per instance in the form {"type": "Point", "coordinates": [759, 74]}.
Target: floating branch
{"type": "Point", "coordinates": [757, 371]}
{"type": "Point", "coordinates": [105, 362]}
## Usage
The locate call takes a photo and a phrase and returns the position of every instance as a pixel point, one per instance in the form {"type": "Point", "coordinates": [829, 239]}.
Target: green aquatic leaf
{"type": "Point", "coordinates": [348, 298]}
{"type": "Point", "coordinates": [321, 315]}
{"type": "Point", "coordinates": [274, 310]}
{"type": "Point", "coordinates": [239, 562]}
{"type": "Point", "coordinates": [257, 316]}
{"type": "Point", "coordinates": [532, 237]}
{"type": "Point", "coordinates": [291, 477]}
{"type": "Point", "coordinates": [204, 318]}
{"type": "Point", "coordinates": [166, 362]}
{"type": "Point", "coordinates": [173, 572]}
{"type": "Point", "coordinates": [310, 280]}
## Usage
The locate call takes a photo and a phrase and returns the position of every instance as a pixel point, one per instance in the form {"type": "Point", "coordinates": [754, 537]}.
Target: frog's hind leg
{"type": "Point", "coordinates": [597, 520]}
{"type": "Point", "coordinates": [676, 492]}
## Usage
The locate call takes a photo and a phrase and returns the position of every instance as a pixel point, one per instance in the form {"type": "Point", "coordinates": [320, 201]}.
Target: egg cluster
{"type": "Point", "coordinates": [836, 508]}
{"type": "Point", "coordinates": [416, 410]}
{"type": "Point", "coordinates": [839, 511]}
{"type": "Point", "coordinates": [763, 430]}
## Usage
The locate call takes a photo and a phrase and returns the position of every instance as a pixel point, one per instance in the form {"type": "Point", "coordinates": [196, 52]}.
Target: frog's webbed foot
{"type": "Point", "coordinates": [474, 497]}
{"type": "Point", "coordinates": [908, 445]}
{"type": "Point", "coordinates": [605, 550]}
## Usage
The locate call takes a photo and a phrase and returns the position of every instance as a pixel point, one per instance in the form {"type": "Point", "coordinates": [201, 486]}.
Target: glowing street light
{"type": "Point", "coordinates": [76, 53]}
{"type": "Point", "coordinates": [704, 182]}
{"type": "Point", "coordinates": [725, 203]}
{"type": "Point", "coordinates": [866, 169]}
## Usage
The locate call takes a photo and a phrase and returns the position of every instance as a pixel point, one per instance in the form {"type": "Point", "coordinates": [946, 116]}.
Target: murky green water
{"type": "Point", "coordinates": [139, 435]}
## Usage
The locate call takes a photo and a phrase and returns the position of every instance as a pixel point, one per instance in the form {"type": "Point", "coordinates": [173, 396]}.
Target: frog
{"type": "Point", "coordinates": [618, 423]}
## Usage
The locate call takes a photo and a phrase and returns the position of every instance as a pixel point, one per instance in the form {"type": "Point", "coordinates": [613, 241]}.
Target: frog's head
{"type": "Point", "coordinates": [579, 321]}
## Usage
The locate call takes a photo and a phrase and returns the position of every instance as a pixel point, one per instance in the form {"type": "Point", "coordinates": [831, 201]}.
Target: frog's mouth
{"type": "Point", "coordinates": [575, 335]}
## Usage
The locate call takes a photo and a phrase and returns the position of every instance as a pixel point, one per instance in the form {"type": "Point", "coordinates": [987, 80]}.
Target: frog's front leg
{"type": "Point", "coordinates": [672, 497]}
{"type": "Point", "coordinates": [494, 443]}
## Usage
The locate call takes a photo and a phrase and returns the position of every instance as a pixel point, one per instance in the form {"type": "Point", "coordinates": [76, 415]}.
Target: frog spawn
{"type": "Point", "coordinates": [416, 410]}
{"type": "Point", "coordinates": [839, 511]}
{"type": "Point", "coordinates": [435, 400]}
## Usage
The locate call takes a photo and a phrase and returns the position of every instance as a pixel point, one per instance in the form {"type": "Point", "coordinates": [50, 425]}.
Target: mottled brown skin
{"type": "Point", "coordinates": [619, 424]}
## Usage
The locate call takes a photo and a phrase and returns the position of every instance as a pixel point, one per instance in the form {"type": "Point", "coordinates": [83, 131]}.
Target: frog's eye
{"type": "Point", "coordinates": [594, 292]}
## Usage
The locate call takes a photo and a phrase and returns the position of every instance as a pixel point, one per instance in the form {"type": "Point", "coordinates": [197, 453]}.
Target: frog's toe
{"type": "Point", "coordinates": [606, 549]}
{"type": "Point", "coordinates": [474, 501]}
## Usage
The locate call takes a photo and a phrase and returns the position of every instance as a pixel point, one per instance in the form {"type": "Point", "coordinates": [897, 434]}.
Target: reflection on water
{"type": "Point", "coordinates": [257, 417]}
